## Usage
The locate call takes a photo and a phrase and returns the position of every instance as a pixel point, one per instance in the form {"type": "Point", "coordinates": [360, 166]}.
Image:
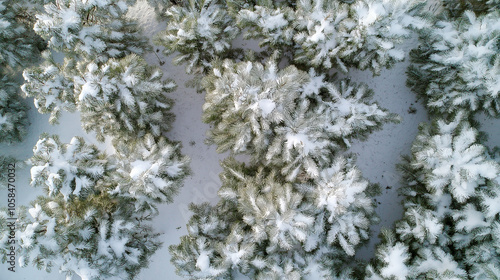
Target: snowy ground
{"type": "Point", "coordinates": [376, 157]}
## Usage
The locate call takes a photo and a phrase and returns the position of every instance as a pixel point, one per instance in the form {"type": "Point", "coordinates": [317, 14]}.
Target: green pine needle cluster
{"type": "Point", "coordinates": [19, 48]}
{"type": "Point", "coordinates": [299, 208]}
{"type": "Point", "coordinates": [94, 217]}
{"type": "Point", "coordinates": [450, 224]}
{"type": "Point", "coordinates": [457, 65]}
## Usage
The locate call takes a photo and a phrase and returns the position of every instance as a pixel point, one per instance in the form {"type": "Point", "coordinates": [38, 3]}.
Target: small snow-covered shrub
{"type": "Point", "coordinates": [267, 228]}
{"type": "Point", "coordinates": [457, 65]}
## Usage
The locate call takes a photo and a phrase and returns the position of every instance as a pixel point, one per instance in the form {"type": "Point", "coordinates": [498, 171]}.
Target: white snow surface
{"type": "Point", "coordinates": [376, 157]}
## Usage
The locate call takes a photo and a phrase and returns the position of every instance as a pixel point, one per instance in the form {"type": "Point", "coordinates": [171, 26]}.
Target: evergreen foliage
{"type": "Point", "coordinates": [270, 22]}
{"type": "Point", "coordinates": [287, 118]}
{"type": "Point", "coordinates": [449, 175]}
{"type": "Point", "coordinates": [333, 34]}
{"type": "Point", "coordinates": [66, 169]}
{"type": "Point", "coordinates": [94, 30]}
{"type": "Point", "coordinates": [123, 99]}
{"type": "Point", "coordinates": [97, 236]}
{"type": "Point", "coordinates": [51, 84]}
{"type": "Point", "coordinates": [13, 112]}
{"type": "Point", "coordinates": [363, 34]}
{"type": "Point", "coordinates": [18, 45]}
{"type": "Point", "coordinates": [200, 30]}
{"type": "Point", "coordinates": [161, 6]}
{"type": "Point", "coordinates": [93, 220]}
{"type": "Point", "coordinates": [457, 65]}
{"type": "Point", "coordinates": [457, 8]}
{"type": "Point", "coordinates": [5, 162]}
{"type": "Point", "coordinates": [268, 228]}
{"type": "Point", "coordinates": [150, 170]}
{"type": "Point", "coordinates": [93, 40]}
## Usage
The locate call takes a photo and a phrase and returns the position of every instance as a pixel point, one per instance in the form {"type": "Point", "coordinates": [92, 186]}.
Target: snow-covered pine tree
{"type": "Point", "coordinates": [96, 30]}
{"type": "Point", "coordinates": [82, 226]}
{"type": "Point", "coordinates": [18, 48]}
{"type": "Point", "coordinates": [267, 228]}
{"type": "Point", "coordinates": [120, 98]}
{"type": "Point", "coordinates": [327, 34]}
{"type": "Point", "coordinates": [477, 234]}
{"type": "Point", "coordinates": [13, 112]}
{"type": "Point", "coordinates": [457, 65]}
{"type": "Point", "coordinates": [363, 35]}
{"type": "Point", "coordinates": [18, 45]}
{"type": "Point", "coordinates": [457, 8]}
{"type": "Point", "coordinates": [271, 22]}
{"type": "Point", "coordinates": [78, 33]}
{"type": "Point", "coordinates": [201, 31]}
{"type": "Point", "coordinates": [150, 170]}
{"type": "Point", "coordinates": [287, 118]}
{"type": "Point", "coordinates": [446, 149]}
{"type": "Point", "coordinates": [445, 176]}
{"type": "Point", "coordinates": [99, 236]}
{"type": "Point", "coordinates": [396, 261]}
{"type": "Point", "coordinates": [71, 170]}
{"type": "Point", "coordinates": [123, 99]}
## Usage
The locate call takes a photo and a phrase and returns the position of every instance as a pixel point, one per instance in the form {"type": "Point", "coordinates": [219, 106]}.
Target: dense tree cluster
{"type": "Point", "coordinates": [450, 224]}
{"type": "Point", "coordinates": [298, 208]}
{"type": "Point", "coordinates": [94, 217]}
{"type": "Point", "coordinates": [19, 48]}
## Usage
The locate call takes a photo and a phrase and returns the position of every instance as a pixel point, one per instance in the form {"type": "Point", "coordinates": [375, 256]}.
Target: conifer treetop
{"type": "Point", "coordinates": [333, 34]}
{"type": "Point", "coordinates": [288, 118]}
{"type": "Point", "coordinates": [151, 170]}
{"type": "Point", "coordinates": [452, 159]}
{"type": "Point", "coordinates": [123, 98]}
{"type": "Point", "coordinates": [200, 30]}
{"type": "Point", "coordinates": [70, 169]}
{"type": "Point", "coordinates": [13, 112]}
{"type": "Point", "coordinates": [96, 30]}
{"type": "Point", "coordinates": [457, 65]}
